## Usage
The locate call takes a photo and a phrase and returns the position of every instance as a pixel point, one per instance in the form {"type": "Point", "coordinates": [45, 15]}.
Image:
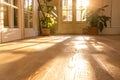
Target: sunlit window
{"type": "Point", "coordinates": [67, 10]}
{"type": "Point", "coordinates": [74, 8]}
{"type": "Point", "coordinates": [6, 16]}
{"type": "Point", "coordinates": [28, 14]}
{"type": "Point", "coordinates": [10, 13]}
{"type": "Point", "coordinates": [15, 10]}
{"type": "Point", "coordinates": [81, 7]}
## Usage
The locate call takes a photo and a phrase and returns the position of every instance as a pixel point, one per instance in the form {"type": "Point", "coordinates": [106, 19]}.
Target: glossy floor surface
{"type": "Point", "coordinates": [69, 57]}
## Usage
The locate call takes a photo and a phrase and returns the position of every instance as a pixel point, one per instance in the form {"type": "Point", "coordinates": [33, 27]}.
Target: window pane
{"type": "Point", "coordinates": [80, 15]}
{"type": "Point", "coordinates": [30, 20]}
{"type": "Point", "coordinates": [25, 4]}
{"type": "Point", "coordinates": [15, 13]}
{"type": "Point", "coordinates": [81, 6]}
{"type": "Point", "coordinates": [6, 16]}
{"type": "Point", "coordinates": [11, 13]}
{"type": "Point", "coordinates": [67, 4]}
{"type": "Point", "coordinates": [67, 10]}
{"type": "Point", "coordinates": [28, 5]}
{"type": "Point", "coordinates": [67, 15]}
{"type": "Point", "coordinates": [26, 20]}
{"type": "Point", "coordinates": [15, 18]}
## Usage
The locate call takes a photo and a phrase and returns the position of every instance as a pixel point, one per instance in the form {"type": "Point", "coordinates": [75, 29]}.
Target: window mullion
{"type": "Point", "coordinates": [10, 17]}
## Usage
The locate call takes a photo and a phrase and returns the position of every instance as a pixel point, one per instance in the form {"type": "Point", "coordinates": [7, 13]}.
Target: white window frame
{"type": "Point", "coordinates": [74, 11]}
{"type": "Point", "coordinates": [83, 10]}
{"type": "Point", "coordinates": [11, 8]}
{"type": "Point", "coordinates": [28, 12]}
{"type": "Point", "coordinates": [69, 19]}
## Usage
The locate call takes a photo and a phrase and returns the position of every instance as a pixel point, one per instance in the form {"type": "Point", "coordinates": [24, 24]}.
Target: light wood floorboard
{"type": "Point", "coordinates": [63, 57]}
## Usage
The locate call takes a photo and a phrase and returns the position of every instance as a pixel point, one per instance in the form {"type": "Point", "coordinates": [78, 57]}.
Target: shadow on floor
{"type": "Point", "coordinates": [32, 61]}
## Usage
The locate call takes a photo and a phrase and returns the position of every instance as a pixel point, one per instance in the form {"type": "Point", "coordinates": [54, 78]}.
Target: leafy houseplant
{"type": "Point", "coordinates": [47, 15]}
{"type": "Point", "coordinates": [98, 18]}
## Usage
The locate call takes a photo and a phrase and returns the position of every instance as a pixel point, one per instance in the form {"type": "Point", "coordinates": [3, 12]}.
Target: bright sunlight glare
{"type": "Point", "coordinates": [85, 3]}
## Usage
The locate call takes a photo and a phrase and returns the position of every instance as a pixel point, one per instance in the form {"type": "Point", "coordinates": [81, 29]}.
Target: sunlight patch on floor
{"type": "Point", "coordinates": [8, 58]}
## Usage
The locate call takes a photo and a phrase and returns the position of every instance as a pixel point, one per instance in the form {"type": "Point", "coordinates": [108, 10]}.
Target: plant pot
{"type": "Point", "coordinates": [93, 31]}
{"type": "Point", "coordinates": [45, 32]}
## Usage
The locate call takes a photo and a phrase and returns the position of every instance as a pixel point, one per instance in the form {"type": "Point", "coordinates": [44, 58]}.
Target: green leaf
{"type": "Point", "coordinates": [101, 26]}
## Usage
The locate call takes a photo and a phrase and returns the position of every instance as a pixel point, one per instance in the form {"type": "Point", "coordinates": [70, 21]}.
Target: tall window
{"type": "Point", "coordinates": [10, 13]}
{"type": "Point", "coordinates": [81, 7]}
{"type": "Point", "coordinates": [67, 10]}
{"type": "Point", "coordinates": [28, 14]}
{"type": "Point", "coordinates": [6, 16]}
{"type": "Point", "coordinates": [79, 10]}
{"type": "Point", "coordinates": [15, 3]}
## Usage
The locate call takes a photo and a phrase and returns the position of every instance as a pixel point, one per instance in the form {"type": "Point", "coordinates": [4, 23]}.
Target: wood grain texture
{"type": "Point", "coordinates": [66, 57]}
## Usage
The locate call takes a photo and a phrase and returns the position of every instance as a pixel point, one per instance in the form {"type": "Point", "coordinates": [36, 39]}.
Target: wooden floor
{"type": "Point", "coordinates": [61, 58]}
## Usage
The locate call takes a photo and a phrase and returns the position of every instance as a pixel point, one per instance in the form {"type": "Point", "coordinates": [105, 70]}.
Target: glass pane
{"type": "Point", "coordinates": [25, 4]}
{"type": "Point", "coordinates": [67, 10]}
{"type": "Point", "coordinates": [11, 13]}
{"type": "Point", "coordinates": [15, 18]}
{"type": "Point", "coordinates": [28, 5]}
{"type": "Point", "coordinates": [30, 20]}
{"type": "Point", "coordinates": [67, 4]}
{"type": "Point", "coordinates": [81, 6]}
{"type": "Point", "coordinates": [6, 16]}
{"type": "Point", "coordinates": [80, 15]}
{"type": "Point", "coordinates": [26, 20]}
{"type": "Point", "coordinates": [67, 15]}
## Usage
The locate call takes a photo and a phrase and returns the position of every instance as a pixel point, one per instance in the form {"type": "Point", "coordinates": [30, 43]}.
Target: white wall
{"type": "Point", "coordinates": [111, 30]}
{"type": "Point", "coordinates": [115, 18]}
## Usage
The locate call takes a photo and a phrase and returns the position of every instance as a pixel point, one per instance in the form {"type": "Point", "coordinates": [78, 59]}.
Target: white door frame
{"type": "Point", "coordinates": [73, 27]}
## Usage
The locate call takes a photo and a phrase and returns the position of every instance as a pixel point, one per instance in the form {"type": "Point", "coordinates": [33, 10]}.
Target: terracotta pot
{"type": "Point", "coordinates": [45, 32]}
{"type": "Point", "coordinates": [93, 31]}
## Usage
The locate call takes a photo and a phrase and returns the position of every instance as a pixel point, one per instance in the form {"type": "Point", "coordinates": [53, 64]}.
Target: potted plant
{"type": "Point", "coordinates": [97, 20]}
{"type": "Point", "coordinates": [47, 16]}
